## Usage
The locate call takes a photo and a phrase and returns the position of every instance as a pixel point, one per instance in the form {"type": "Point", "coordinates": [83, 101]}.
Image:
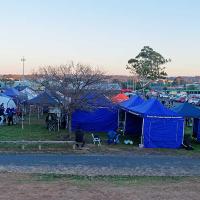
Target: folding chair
{"type": "Point", "coordinates": [116, 139]}
{"type": "Point", "coordinates": [52, 125]}
{"type": "Point", "coordinates": [96, 139]}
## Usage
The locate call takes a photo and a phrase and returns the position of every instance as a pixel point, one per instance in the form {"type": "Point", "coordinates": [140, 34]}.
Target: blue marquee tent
{"type": "Point", "coordinates": [188, 110]}
{"type": "Point", "coordinates": [44, 98]}
{"type": "Point", "coordinates": [159, 126]}
{"type": "Point", "coordinates": [15, 95]}
{"type": "Point", "coordinates": [102, 118]}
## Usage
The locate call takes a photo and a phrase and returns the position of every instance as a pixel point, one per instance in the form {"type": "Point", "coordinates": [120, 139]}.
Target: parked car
{"type": "Point", "coordinates": [180, 99]}
{"type": "Point", "coordinates": [163, 96]}
{"type": "Point", "coordinates": [194, 101]}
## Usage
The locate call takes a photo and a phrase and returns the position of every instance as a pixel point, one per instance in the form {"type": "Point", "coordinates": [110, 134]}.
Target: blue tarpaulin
{"type": "Point", "coordinates": [102, 118]}
{"type": "Point", "coordinates": [161, 127]}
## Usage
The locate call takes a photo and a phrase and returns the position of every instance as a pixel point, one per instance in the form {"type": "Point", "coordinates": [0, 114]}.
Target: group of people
{"type": "Point", "coordinates": [165, 101]}
{"type": "Point", "coordinates": [7, 115]}
{"type": "Point", "coordinates": [169, 102]}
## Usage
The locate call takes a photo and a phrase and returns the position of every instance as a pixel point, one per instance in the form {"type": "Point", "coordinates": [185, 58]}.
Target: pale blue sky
{"type": "Point", "coordinates": [103, 33]}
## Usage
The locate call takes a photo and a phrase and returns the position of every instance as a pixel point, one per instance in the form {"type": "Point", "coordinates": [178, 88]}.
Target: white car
{"type": "Point", "coordinates": [164, 96]}
{"type": "Point", "coordinates": [194, 101]}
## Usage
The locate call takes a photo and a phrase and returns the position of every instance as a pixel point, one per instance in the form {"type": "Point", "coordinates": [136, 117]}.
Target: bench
{"type": "Point", "coordinates": [39, 143]}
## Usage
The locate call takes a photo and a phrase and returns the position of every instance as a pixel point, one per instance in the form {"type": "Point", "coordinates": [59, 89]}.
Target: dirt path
{"type": "Point", "coordinates": [23, 186]}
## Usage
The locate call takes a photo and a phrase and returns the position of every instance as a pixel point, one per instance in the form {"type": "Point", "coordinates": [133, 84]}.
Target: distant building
{"type": "Point", "coordinates": [179, 81]}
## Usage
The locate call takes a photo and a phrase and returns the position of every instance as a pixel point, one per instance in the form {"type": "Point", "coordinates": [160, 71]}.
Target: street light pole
{"type": "Point", "coordinates": [23, 61]}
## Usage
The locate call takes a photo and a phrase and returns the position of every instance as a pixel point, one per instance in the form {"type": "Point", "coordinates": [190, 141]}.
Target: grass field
{"type": "Point", "coordinates": [37, 131]}
{"type": "Point", "coordinates": [116, 180]}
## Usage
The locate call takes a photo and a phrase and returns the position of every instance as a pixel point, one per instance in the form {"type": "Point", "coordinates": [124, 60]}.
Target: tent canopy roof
{"type": "Point", "coordinates": [44, 98]}
{"type": "Point", "coordinates": [119, 98]}
{"type": "Point", "coordinates": [20, 87]}
{"type": "Point", "coordinates": [12, 92]}
{"type": "Point", "coordinates": [95, 100]}
{"type": "Point", "coordinates": [132, 101]}
{"type": "Point", "coordinates": [153, 107]}
{"type": "Point", "coordinates": [187, 110]}
{"type": "Point", "coordinates": [7, 101]}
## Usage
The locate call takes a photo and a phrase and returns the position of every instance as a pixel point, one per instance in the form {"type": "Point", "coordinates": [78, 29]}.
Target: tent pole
{"type": "Point", "coordinates": [183, 131]}
{"type": "Point", "coordinates": [29, 115]}
{"type": "Point", "coordinates": [125, 122]}
{"type": "Point", "coordinates": [142, 136]}
{"type": "Point", "coordinates": [22, 118]}
{"type": "Point", "coordinates": [38, 113]}
{"type": "Point", "coordinates": [58, 124]}
{"type": "Point", "coordinates": [118, 118]}
{"type": "Point", "coordinates": [42, 112]}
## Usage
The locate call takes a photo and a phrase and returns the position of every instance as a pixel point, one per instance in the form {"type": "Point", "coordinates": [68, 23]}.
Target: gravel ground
{"type": "Point", "coordinates": [95, 164]}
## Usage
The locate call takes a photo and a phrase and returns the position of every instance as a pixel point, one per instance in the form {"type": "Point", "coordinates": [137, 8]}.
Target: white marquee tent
{"type": "Point", "coordinates": [7, 101]}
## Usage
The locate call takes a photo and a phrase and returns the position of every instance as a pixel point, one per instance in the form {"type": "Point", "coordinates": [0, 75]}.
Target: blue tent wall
{"type": "Point", "coordinates": [99, 120]}
{"type": "Point", "coordinates": [162, 132]}
{"type": "Point", "coordinates": [196, 129]}
{"type": "Point", "coordinates": [133, 125]}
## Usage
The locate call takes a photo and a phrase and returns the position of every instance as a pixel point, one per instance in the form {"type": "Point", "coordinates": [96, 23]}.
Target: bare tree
{"type": "Point", "coordinates": [71, 85]}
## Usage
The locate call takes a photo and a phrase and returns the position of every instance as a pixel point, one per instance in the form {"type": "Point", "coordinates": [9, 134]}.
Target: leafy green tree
{"type": "Point", "coordinates": [148, 65]}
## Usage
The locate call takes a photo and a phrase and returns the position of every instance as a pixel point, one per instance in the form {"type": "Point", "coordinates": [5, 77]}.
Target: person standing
{"type": "Point", "coordinates": [2, 109]}
{"type": "Point", "coordinates": [79, 137]}
{"type": "Point", "coordinates": [10, 117]}
{"type": "Point", "coordinates": [1, 114]}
